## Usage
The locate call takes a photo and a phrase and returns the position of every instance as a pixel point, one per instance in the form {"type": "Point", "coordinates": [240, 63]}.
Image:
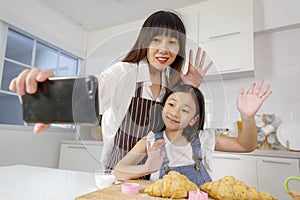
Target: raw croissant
{"type": "Point", "coordinates": [173, 185]}
{"type": "Point", "coordinates": [229, 188]}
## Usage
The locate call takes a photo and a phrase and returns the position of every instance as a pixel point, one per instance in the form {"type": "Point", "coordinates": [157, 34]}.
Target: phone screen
{"type": "Point", "coordinates": [63, 100]}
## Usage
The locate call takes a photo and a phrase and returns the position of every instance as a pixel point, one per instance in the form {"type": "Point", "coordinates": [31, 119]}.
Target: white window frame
{"type": "Point", "coordinates": [4, 28]}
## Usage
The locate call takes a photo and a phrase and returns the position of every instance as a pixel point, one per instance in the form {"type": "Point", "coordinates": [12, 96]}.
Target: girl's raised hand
{"type": "Point", "coordinates": [155, 156]}
{"type": "Point", "coordinates": [196, 71]}
{"type": "Point", "coordinates": [251, 102]}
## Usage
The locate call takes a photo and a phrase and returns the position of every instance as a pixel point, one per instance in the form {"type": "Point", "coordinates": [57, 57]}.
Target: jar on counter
{"type": "Point", "coordinates": [222, 131]}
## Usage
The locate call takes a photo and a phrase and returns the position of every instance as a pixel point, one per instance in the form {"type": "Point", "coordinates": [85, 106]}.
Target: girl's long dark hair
{"type": "Point", "coordinates": [190, 132]}
{"type": "Point", "coordinates": [160, 23]}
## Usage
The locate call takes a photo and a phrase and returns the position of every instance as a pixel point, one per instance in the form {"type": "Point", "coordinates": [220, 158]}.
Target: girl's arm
{"type": "Point", "coordinates": [248, 105]}
{"type": "Point", "coordinates": [129, 167]}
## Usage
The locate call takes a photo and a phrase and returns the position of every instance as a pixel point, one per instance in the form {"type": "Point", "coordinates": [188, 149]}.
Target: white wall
{"type": "Point", "coordinates": [101, 44]}
{"type": "Point", "coordinates": [35, 18]}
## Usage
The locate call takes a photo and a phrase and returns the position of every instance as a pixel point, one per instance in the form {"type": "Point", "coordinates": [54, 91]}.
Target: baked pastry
{"type": "Point", "coordinates": [173, 185]}
{"type": "Point", "coordinates": [229, 188]}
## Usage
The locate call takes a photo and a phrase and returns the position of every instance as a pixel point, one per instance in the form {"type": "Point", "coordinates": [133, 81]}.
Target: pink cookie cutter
{"type": "Point", "coordinates": [197, 195]}
{"type": "Point", "coordinates": [130, 188]}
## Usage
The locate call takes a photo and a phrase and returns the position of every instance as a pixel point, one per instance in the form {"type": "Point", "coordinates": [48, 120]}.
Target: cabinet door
{"type": "Point", "coordinates": [242, 167]}
{"type": "Point", "coordinates": [234, 54]}
{"type": "Point", "coordinates": [190, 20]}
{"type": "Point", "coordinates": [272, 173]}
{"type": "Point", "coordinates": [222, 18]}
{"type": "Point", "coordinates": [80, 157]}
{"type": "Point", "coordinates": [226, 33]}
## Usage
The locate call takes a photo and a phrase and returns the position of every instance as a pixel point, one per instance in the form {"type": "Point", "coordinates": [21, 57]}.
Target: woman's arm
{"type": "Point", "coordinates": [247, 105]}
{"type": "Point", "coordinates": [129, 167]}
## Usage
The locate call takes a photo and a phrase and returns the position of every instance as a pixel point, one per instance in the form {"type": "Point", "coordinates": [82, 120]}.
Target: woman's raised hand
{"type": "Point", "coordinates": [26, 82]}
{"type": "Point", "coordinates": [196, 70]}
{"type": "Point", "coordinates": [251, 102]}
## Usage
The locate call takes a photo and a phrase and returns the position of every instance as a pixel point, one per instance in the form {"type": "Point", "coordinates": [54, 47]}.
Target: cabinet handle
{"type": "Point", "coordinates": [224, 35]}
{"type": "Point", "coordinates": [275, 161]}
{"type": "Point", "coordinates": [226, 70]}
{"type": "Point", "coordinates": [76, 147]}
{"type": "Point", "coordinates": [228, 157]}
{"type": "Point", "coordinates": [232, 69]}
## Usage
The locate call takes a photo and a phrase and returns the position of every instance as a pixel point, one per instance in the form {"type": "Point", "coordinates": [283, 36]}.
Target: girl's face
{"type": "Point", "coordinates": [162, 51]}
{"type": "Point", "coordinates": [179, 111]}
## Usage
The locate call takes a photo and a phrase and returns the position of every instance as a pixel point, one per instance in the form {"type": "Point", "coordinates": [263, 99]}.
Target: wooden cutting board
{"type": "Point", "coordinates": [114, 192]}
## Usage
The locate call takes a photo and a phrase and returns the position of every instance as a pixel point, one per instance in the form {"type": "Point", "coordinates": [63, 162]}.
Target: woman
{"type": "Point", "coordinates": [131, 91]}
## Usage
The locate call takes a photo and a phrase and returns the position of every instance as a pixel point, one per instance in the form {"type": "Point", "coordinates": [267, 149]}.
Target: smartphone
{"type": "Point", "coordinates": [63, 100]}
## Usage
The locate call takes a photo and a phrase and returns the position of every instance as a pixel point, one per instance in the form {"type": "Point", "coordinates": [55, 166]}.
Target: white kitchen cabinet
{"type": "Point", "coordinates": [272, 173]}
{"type": "Point", "coordinates": [279, 14]}
{"type": "Point", "coordinates": [266, 173]}
{"type": "Point", "coordinates": [225, 18]}
{"type": "Point", "coordinates": [242, 167]}
{"type": "Point", "coordinates": [190, 20]}
{"type": "Point", "coordinates": [80, 156]}
{"type": "Point", "coordinates": [235, 56]}
{"type": "Point", "coordinates": [226, 33]}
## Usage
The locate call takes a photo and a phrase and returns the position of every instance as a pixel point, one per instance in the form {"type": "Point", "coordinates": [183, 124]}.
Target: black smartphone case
{"type": "Point", "coordinates": [63, 101]}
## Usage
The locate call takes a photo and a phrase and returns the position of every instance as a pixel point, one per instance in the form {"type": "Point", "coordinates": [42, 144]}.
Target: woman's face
{"type": "Point", "coordinates": [179, 111]}
{"type": "Point", "coordinates": [162, 51]}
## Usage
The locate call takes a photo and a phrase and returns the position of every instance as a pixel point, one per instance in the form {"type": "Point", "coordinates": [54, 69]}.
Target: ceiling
{"type": "Point", "coordinates": [98, 14]}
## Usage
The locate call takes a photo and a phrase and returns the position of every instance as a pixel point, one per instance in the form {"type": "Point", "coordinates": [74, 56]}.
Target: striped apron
{"type": "Point", "coordinates": [143, 116]}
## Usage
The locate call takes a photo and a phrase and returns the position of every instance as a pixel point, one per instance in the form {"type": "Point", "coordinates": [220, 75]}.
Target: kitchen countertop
{"type": "Point", "coordinates": [115, 192]}
{"type": "Point", "coordinates": [270, 153]}
{"type": "Point", "coordinates": [20, 182]}
{"type": "Point", "coordinates": [257, 152]}
{"type": "Point", "coordinates": [82, 142]}
{"type": "Point", "coordinates": [277, 153]}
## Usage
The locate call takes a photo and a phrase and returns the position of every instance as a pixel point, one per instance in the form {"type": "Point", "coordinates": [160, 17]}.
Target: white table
{"type": "Point", "coordinates": [21, 182]}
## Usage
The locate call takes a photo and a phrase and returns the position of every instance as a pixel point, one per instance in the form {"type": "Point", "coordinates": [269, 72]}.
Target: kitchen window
{"type": "Point", "coordinates": [23, 51]}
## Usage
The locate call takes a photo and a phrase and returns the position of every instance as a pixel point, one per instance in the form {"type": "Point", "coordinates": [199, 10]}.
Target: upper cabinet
{"type": "Point", "coordinates": [224, 28]}
{"type": "Point", "coordinates": [270, 15]}
{"type": "Point", "coordinates": [224, 19]}
{"type": "Point", "coordinates": [226, 33]}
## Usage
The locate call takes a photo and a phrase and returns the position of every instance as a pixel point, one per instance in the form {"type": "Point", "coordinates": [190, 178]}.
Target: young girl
{"type": "Point", "coordinates": [181, 146]}
{"type": "Point", "coordinates": [131, 91]}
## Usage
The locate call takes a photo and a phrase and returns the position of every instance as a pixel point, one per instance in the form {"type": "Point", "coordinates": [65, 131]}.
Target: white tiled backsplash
{"type": "Point", "coordinates": [277, 60]}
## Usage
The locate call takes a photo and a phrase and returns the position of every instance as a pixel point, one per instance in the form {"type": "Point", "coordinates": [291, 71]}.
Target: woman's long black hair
{"type": "Point", "coordinates": [161, 23]}
{"type": "Point", "coordinates": [190, 132]}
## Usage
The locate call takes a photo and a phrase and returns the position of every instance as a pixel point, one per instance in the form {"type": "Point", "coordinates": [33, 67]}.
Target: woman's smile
{"type": "Point", "coordinates": [162, 60]}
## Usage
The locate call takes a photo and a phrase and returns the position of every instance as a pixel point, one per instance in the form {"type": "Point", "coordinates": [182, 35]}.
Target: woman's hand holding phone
{"type": "Point", "coordinates": [26, 82]}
